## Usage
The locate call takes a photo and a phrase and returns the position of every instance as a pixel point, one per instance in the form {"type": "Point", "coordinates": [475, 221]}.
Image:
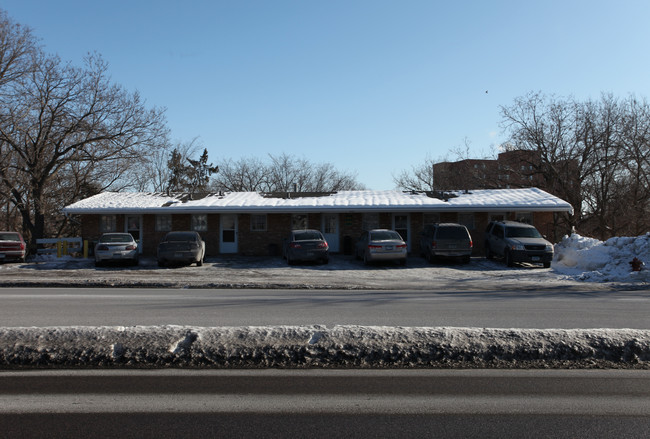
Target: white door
{"type": "Point", "coordinates": [330, 229]}
{"type": "Point", "coordinates": [401, 226]}
{"type": "Point", "coordinates": [228, 234]}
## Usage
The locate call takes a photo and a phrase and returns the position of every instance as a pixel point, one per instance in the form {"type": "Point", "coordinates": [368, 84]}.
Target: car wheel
{"type": "Point", "coordinates": [547, 265]}
{"type": "Point", "coordinates": [509, 261]}
{"type": "Point", "coordinates": [402, 262]}
{"type": "Point", "coordinates": [289, 260]}
{"type": "Point", "coordinates": [98, 263]}
{"type": "Point", "coordinates": [365, 259]}
{"type": "Point", "coordinates": [429, 257]}
{"type": "Point", "coordinates": [488, 252]}
{"type": "Point", "coordinates": [466, 259]}
{"type": "Point", "coordinates": [161, 263]}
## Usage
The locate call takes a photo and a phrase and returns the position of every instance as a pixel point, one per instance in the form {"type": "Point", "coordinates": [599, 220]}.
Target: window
{"type": "Point", "coordinates": [107, 223]}
{"type": "Point", "coordinates": [467, 220]}
{"type": "Point", "coordinates": [200, 223]}
{"type": "Point", "coordinates": [330, 223]}
{"type": "Point", "coordinates": [431, 218]}
{"type": "Point", "coordinates": [258, 223]}
{"type": "Point", "coordinates": [299, 221]}
{"type": "Point", "coordinates": [163, 223]}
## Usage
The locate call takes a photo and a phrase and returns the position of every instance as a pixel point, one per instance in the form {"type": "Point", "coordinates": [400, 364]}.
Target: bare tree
{"type": "Point", "coordinates": [419, 178]}
{"type": "Point", "coordinates": [594, 154]}
{"type": "Point", "coordinates": [59, 119]}
{"type": "Point", "coordinates": [282, 173]}
{"type": "Point", "coordinates": [243, 175]}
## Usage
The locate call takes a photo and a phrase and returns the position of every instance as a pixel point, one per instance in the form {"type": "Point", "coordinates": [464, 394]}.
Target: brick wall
{"type": "Point", "coordinates": [270, 241]}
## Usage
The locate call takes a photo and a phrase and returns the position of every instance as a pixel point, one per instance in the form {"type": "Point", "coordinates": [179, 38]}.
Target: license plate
{"type": "Point", "coordinates": [535, 258]}
{"type": "Point", "coordinates": [389, 247]}
{"type": "Point", "coordinates": [179, 255]}
{"type": "Point", "coordinates": [2, 255]}
{"type": "Point", "coordinates": [117, 255]}
{"type": "Point", "coordinates": [452, 246]}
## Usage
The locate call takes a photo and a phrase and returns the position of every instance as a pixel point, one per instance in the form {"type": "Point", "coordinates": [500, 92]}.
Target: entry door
{"type": "Point", "coordinates": [133, 225]}
{"type": "Point", "coordinates": [401, 226]}
{"type": "Point", "coordinates": [330, 229]}
{"type": "Point", "coordinates": [228, 233]}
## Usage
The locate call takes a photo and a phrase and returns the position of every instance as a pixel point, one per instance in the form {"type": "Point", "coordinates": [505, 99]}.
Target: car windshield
{"type": "Point", "coordinates": [522, 232]}
{"type": "Point", "coordinates": [452, 233]}
{"type": "Point", "coordinates": [9, 237]}
{"type": "Point", "coordinates": [116, 238]}
{"type": "Point", "coordinates": [307, 236]}
{"type": "Point", "coordinates": [384, 235]}
{"type": "Point", "coordinates": [180, 236]}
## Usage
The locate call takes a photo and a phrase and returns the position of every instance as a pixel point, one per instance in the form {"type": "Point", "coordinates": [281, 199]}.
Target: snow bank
{"type": "Point", "coordinates": [589, 259]}
{"type": "Point", "coordinates": [318, 346]}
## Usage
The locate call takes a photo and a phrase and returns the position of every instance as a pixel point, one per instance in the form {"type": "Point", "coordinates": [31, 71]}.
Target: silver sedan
{"type": "Point", "coordinates": [116, 247]}
{"type": "Point", "coordinates": [381, 245]}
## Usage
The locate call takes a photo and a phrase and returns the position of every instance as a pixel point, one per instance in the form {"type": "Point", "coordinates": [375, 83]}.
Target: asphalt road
{"type": "Point", "coordinates": [316, 403]}
{"type": "Point", "coordinates": [212, 307]}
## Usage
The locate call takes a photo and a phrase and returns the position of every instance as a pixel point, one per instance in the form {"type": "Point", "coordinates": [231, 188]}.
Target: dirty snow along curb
{"type": "Point", "coordinates": [318, 346]}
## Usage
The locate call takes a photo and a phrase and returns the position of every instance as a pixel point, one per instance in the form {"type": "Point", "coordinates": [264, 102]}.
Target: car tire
{"type": "Point", "coordinates": [547, 265]}
{"type": "Point", "coordinates": [430, 258]}
{"type": "Point", "coordinates": [467, 259]}
{"type": "Point", "coordinates": [365, 259]}
{"type": "Point", "coordinates": [508, 258]}
{"type": "Point", "coordinates": [290, 261]}
{"type": "Point", "coordinates": [98, 263]}
{"type": "Point", "coordinates": [402, 262]}
{"type": "Point", "coordinates": [161, 263]}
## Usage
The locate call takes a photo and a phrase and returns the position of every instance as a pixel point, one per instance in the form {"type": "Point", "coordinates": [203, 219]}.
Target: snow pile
{"type": "Point", "coordinates": [592, 260]}
{"type": "Point", "coordinates": [318, 346]}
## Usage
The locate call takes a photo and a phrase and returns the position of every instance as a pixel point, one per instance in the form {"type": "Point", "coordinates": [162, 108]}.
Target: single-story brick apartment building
{"type": "Point", "coordinates": [251, 223]}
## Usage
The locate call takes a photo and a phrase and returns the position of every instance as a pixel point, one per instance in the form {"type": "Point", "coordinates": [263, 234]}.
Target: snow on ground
{"type": "Point", "coordinates": [317, 346]}
{"type": "Point", "coordinates": [579, 263]}
{"type": "Point", "coordinates": [592, 260]}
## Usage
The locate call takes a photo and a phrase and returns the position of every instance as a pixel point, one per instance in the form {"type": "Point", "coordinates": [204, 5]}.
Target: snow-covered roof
{"type": "Point", "coordinates": [528, 199]}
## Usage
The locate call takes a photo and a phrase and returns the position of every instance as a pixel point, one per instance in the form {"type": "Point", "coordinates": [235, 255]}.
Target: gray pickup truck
{"type": "Point", "coordinates": [517, 242]}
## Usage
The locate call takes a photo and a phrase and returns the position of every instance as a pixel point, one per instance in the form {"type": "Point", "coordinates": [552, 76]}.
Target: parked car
{"type": "Point", "coordinates": [116, 247]}
{"type": "Point", "coordinates": [12, 247]}
{"type": "Point", "coordinates": [517, 242]}
{"type": "Point", "coordinates": [181, 247]}
{"type": "Point", "coordinates": [305, 245]}
{"type": "Point", "coordinates": [381, 245]}
{"type": "Point", "coordinates": [449, 240]}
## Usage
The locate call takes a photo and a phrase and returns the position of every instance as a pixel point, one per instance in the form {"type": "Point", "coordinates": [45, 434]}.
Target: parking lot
{"type": "Point", "coordinates": [342, 272]}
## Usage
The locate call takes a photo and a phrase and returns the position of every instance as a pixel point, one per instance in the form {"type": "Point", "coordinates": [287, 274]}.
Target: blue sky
{"type": "Point", "coordinates": [373, 87]}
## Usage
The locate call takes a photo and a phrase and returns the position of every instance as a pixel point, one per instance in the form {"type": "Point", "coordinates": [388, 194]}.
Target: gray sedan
{"type": "Point", "coordinates": [381, 245]}
{"type": "Point", "coordinates": [305, 245]}
{"type": "Point", "coordinates": [181, 247]}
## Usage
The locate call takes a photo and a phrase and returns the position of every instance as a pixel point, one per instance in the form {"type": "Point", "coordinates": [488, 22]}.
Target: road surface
{"type": "Point", "coordinates": [214, 307]}
{"type": "Point", "coordinates": [357, 403]}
